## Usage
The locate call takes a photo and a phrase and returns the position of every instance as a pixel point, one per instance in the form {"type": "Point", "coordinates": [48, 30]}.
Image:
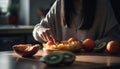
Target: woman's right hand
{"type": "Point", "coordinates": [46, 35]}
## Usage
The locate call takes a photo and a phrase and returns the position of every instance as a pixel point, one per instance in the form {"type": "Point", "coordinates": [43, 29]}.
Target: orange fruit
{"type": "Point", "coordinates": [113, 47]}
{"type": "Point", "coordinates": [88, 44]}
{"type": "Point", "coordinates": [72, 39]}
{"type": "Point", "coordinates": [49, 43]}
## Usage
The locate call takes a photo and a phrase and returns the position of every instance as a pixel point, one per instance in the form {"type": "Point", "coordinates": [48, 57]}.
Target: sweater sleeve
{"type": "Point", "coordinates": [47, 22]}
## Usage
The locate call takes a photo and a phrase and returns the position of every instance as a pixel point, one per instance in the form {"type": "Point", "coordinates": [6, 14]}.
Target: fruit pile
{"type": "Point", "coordinates": [59, 58]}
{"type": "Point", "coordinates": [112, 47]}
{"type": "Point", "coordinates": [70, 45]}
{"type": "Point", "coordinates": [87, 45]}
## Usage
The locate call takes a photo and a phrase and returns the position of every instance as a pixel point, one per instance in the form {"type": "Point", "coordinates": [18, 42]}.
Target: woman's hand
{"type": "Point", "coordinates": [46, 35]}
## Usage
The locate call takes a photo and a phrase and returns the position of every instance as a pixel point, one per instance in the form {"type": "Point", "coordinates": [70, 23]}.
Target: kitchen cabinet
{"type": "Point", "coordinates": [11, 35]}
{"type": "Point", "coordinates": [9, 41]}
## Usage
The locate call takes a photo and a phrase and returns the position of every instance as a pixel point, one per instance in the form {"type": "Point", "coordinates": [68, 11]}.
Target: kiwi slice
{"type": "Point", "coordinates": [53, 58]}
{"type": "Point", "coordinates": [100, 47]}
{"type": "Point", "coordinates": [68, 57]}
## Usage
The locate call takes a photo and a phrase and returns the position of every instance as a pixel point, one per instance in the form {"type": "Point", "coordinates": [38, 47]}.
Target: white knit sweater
{"type": "Point", "coordinates": [105, 26]}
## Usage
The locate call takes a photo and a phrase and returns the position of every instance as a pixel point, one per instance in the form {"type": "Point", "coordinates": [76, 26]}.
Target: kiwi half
{"type": "Point", "coordinates": [53, 58]}
{"type": "Point", "coordinates": [68, 57]}
{"type": "Point", "coordinates": [59, 58]}
{"type": "Point", "coordinates": [100, 47]}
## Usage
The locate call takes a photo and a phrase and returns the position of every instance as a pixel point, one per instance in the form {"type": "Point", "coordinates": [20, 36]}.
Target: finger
{"type": "Point", "coordinates": [45, 36]}
{"type": "Point", "coordinates": [53, 39]}
{"type": "Point", "coordinates": [41, 36]}
{"type": "Point", "coordinates": [48, 32]}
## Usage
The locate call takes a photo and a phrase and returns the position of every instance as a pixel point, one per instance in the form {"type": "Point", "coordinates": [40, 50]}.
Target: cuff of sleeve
{"type": "Point", "coordinates": [35, 34]}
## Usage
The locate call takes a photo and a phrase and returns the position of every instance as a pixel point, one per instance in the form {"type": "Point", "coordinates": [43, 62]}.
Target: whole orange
{"type": "Point", "coordinates": [113, 47]}
{"type": "Point", "coordinates": [88, 44]}
{"type": "Point", "coordinates": [72, 39]}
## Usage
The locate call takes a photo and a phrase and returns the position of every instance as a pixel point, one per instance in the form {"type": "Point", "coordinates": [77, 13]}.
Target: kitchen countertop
{"type": "Point", "coordinates": [20, 29]}
{"type": "Point", "coordinates": [10, 60]}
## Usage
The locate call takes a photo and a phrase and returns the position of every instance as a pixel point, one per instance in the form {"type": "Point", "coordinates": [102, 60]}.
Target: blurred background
{"type": "Point", "coordinates": [17, 20]}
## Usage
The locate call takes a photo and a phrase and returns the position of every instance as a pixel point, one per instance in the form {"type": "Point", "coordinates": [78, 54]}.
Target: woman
{"type": "Point", "coordinates": [80, 19]}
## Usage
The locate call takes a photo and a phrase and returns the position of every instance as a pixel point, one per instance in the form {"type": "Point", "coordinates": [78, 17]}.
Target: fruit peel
{"type": "Point", "coordinates": [26, 50]}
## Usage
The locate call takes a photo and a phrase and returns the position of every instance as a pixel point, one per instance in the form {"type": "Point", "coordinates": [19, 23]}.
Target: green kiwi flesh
{"type": "Point", "coordinates": [68, 57]}
{"type": "Point", "coordinates": [59, 58]}
{"type": "Point", "coordinates": [100, 47]}
{"type": "Point", "coordinates": [53, 58]}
